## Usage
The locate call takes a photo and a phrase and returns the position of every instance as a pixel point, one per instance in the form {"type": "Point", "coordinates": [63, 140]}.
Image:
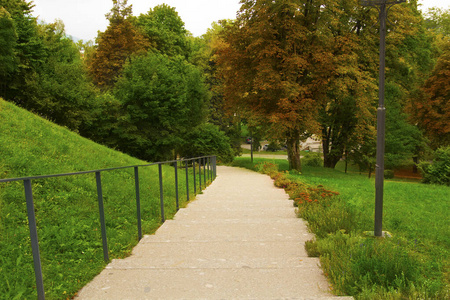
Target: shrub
{"type": "Point", "coordinates": [437, 172]}
{"type": "Point", "coordinates": [312, 159]}
{"type": "Point", "coordinates": [388, 174]}
{"type": "Point", "coordinates": [205, 140]}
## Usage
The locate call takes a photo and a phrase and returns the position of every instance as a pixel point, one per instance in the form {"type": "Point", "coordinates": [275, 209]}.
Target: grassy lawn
{"type": "Point", "coordinates": [66, 208]}
{"type": "Point", "coordinates": [417, 216]}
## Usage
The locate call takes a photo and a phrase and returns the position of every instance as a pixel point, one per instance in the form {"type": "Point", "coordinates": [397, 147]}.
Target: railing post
{"type": "Point", "coordinates": [176, 186]}
{"type": "Point", "coordinates": [204, 170]}
{"type": "Point", "coordinates": [200, 174]}
{"type": "Point", "coordinates": [34, 239]}
{"type": "Point", "coordinates": [195, 182]}
{"type": "Point", "coordinates": [209, 168]}
{"type": "Point", "coordinates": [187, 181]}
{"type": "Point", "coordinates": [138, 202]}
{"type": "Point", "coordinates": [102, 216]}
{"type": "Point", "coordinates": [161, 193]}
{"type": "Point", "coordinates": [215, 167]}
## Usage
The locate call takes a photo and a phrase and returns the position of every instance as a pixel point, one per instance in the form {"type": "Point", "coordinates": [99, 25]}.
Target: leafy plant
{"type": "Point", "coordinates": [439, 171]}
{"type": "Point", "coordinates": [312, 159]}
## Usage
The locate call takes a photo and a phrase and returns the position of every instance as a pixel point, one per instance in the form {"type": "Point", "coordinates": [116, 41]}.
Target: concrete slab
{"type": "Point", "coordinates": [240, 239]}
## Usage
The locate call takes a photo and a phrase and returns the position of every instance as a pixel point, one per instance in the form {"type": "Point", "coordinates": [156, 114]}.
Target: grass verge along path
{"type": "Point", "coordinates": [66, 208]}
{"type": "Point", "coordinates": [414, 264]}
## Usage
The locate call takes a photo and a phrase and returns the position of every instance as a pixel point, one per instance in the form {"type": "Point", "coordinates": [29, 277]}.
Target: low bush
{"type": "Point", "coordinates": [437, 172]}
{"type": "Point", "coordinates": [389, 174]}
{"type": "Point", "coordinates": [312, 159]}
{"type": "Point", "coordinates": [205, 140]}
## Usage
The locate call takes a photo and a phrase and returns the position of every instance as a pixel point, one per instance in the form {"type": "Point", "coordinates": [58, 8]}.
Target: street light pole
{"type": "Point", "coordinates": [381, 112]}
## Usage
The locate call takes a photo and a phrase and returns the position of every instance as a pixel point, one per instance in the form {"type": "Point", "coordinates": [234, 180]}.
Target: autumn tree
{"type": "Point", "coordinates": [116, 45]}
{"type": "Point", "coordinates": [433, 110]}
{"type": "Point", "coordinates": [348, 105]}
{"type": "Point", "coordinates": [275, 67]}
{"type": "Point", "coordinates": [430, 107]}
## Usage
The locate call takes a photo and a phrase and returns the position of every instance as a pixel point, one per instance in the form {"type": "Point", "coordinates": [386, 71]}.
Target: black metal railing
{"type": "Point", "coordinates": [208, 163]}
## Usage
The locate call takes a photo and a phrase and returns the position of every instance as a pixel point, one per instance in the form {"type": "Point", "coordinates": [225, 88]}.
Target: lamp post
{"type": "Point", "coordinates": [383, 6]}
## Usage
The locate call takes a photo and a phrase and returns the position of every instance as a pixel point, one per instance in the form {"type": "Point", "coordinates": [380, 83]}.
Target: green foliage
{"type": "Point", "coordinates": [437, 172]}
{"type": "Point", "coordinates": [162, 99]}
{"type": "Point", "coordinates": [205, 140]}
{"type": "Point", "coordinates": [412, 265]}
{"type": "Point", "coordinates": [388, 174]}
{"type": "Point", "coordinates": [66, 208]}
{"type": "Point", "coordinates": [312, 159]}
{"type": "Point", "coordinates": [163, 27]}
{"type": "Point", "coordinates": [28, 50]}
{"type": "Point", "coordinates": [402, 138]}
{"type": "Point", "coordinates": [8, 39]}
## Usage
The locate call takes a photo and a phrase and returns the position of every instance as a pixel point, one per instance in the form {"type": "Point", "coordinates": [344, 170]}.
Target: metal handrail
{"type": "Point", "coordinates": [205, 161]}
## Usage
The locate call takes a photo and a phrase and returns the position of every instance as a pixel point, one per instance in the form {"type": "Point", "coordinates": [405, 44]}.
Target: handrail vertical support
{"type": "Point", "coordinates": [200, 174]}
{"type": "Point", "coordinates": [161, 193]}
{"type": "Point", "coordinates": [102, 216]}
{"type": "Point", "coordinates": [138, 202]}
{"type": "Point", "coordinates": [176, 186]}
{"type": "Point", "coordinates": [204, 170]}
{"type": "Point", "coordinates": [215, 167]}
{"type": "Point", "coordinates": [209, 169]}
{"type": "Point", "coordinates": [187, 181]}
{"type": "Point", "coordinates": [195, 182]}
{"type": "Point", "coordinates": [34, 239]}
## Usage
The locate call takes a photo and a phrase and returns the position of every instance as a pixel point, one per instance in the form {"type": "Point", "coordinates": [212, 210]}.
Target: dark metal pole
{"type": "Point", "coordinates": [161, 193]}
{"type": "Point", "coordinates": [102, 216]}
{"type": "Point", "coordinates": [176, 186]}
{"type": "Point", "coordinates": [138, 202]}
{"type": "Point", "coordinates": [204, 170]}
{"type": "Point", "coordinates": [209, 169]}
{"type": "Point", "coordinates": [34, 239]}
{"type": "Point", "coordinates": [381, 119]}
{"type": "Point", "coordinates": [200, 174]}
{"type": "Point", "coordinates": [195, 183]}
{"type": "Point", "coordinates": [251, 147]}
{"type": "Point", "coordinates": [187, 181]}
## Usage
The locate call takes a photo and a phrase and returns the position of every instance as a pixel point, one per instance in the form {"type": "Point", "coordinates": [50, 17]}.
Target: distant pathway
{"type": "Point", "coordinates": [240, 239]}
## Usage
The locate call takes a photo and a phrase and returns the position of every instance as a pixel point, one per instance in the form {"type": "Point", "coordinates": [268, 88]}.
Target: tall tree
{"type": "Point", "coordinates": [115, 46]}
{"type": "Point", "coordinates": [429, 106]}
{"type": "Point", "coordinates": [275, 67]}
{"type": "Point", "coordinates": [8, 39]}
{"type": "Point", "coordinates": [165, 30]}
{"type": "Point", "coordinates": [432, 109]}
{"type": "Point", "coordinates": [162, 99]}
{"type": "Point", "coordinates": [350, 89]}
{"type": "Point", "coordinates": [28, 50]}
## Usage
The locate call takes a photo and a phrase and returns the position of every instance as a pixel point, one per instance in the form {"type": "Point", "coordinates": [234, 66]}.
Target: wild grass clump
{"type": "Point", "coordinates": [414, 264]}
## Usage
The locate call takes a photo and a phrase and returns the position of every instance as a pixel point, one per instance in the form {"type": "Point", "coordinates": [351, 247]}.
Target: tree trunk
{"type": "Point", "coordinates": [332, 153]}
{"type": "Point", "coordinates": [293, 149]}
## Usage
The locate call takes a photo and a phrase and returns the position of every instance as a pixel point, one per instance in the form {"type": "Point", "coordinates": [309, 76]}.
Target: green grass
{"type": "Point", "coordinates": [66, 208]}
{"type": "Point", "coordinates": [412, 265]}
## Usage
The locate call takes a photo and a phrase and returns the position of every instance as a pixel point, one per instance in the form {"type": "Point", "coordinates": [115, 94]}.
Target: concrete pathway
{"type": "Point", "coordinates": [240, 239]}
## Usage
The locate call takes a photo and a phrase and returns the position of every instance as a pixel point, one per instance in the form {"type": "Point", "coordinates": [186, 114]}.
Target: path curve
{"type": "Point", "coordinates": [240, 239]}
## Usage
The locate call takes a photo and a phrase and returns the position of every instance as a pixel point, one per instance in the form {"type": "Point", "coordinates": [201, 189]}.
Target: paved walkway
{"type": "Point", "coordinates": [240, 239]}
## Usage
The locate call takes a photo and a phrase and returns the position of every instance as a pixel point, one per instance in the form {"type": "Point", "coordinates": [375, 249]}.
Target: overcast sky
{"type": "Point", "coordinates": [83, 18]}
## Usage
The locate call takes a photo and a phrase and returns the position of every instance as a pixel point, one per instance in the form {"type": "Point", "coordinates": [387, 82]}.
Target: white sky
{"type": "Point", "coordinates": [83, 18]}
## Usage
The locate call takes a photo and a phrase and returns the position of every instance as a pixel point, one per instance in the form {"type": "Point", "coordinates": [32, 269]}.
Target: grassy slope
{"type": "Point", "coordinates": [66, 208]}
{"type": "Point", "coordinates": [414, 211]}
